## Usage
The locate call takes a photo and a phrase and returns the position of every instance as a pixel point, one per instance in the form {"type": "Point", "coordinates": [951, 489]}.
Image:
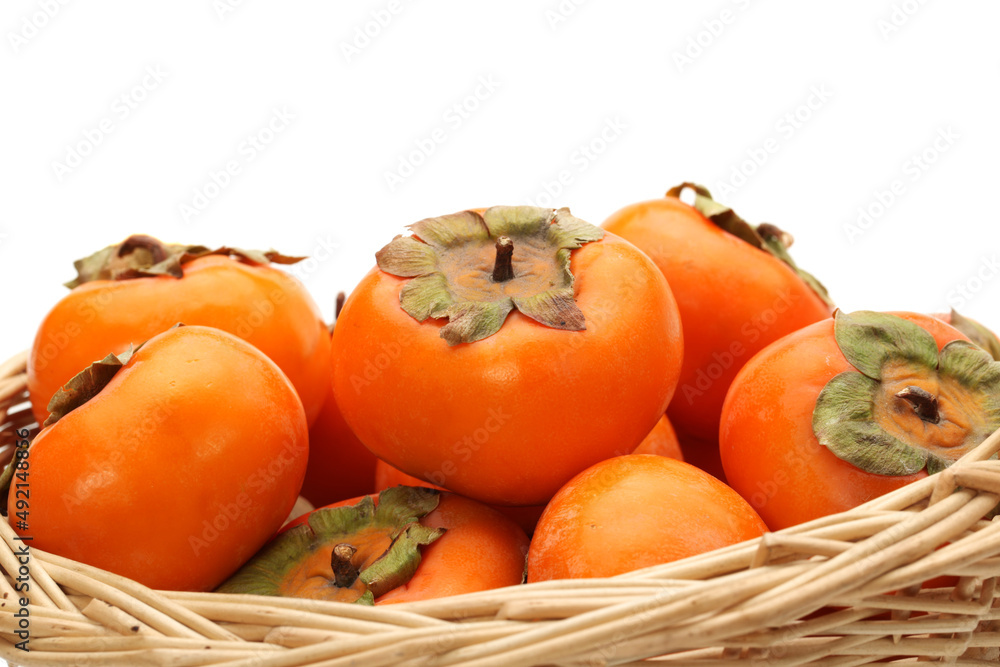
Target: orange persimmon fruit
{"type": "Point", "coordinates": [162, 467]}
{"type": "Point", "coordinates": [500, 352]}
{"type": "Point", "coordinates": [737, 290]}
{"type": "Point", "coordinates": [850, 408]}
{"type": "Point", "coordinates": [129, 292]}
{"type": "Point", "coordinates": [402, 545]}
{"type": "Point", "coordinates": [635, 511]}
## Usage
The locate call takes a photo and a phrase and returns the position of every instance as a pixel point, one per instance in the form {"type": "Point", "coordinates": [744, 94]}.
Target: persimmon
{"type": "Point", "coordinates": [850, 408]}
{"type": "Point", "coordinates": [737, 290]}
{"type": "Point", "coordinates": [129, 292]}
{"type": "Point", "coordinates": [162, 467]}
{"type": "Point", "coordinates": [339, 464]}
{"type": "Point", "coordinates": [387, 477]}
{"type": "Point", "coordinates": [402, 545]}
{"type": "Point", "coordinates": [499, 353]}
{"type": "Point", "coordinates": [634, 511]}
{"type": "Point", "coordinates": [662, 441]}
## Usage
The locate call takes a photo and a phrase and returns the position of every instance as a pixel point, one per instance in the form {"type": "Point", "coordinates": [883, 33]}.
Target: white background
{"type": "Point", "coordinates": [680, 91]}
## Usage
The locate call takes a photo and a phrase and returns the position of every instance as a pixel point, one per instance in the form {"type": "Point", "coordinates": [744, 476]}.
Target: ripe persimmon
{"type": "Point", "coordinates": [128, 293]}
{"type": "Point", "coordinates": [850, 408]}
{"type": "Point", "coordinates": [339, 464]}
{"type": "Point", "coordinates": [171, 474]}
{"type": "Point", "coordinates": [634, 511]}
{"type": "Point", "coordinates": [499, 353]}
{"type": "Point", "coordinates": [401, 545]}
{"type": "Point", "coordinates": [737, 290]}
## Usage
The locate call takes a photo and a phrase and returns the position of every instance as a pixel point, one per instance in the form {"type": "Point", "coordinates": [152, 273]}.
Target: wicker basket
{"type": "Point", "coordinates": [842, 590]}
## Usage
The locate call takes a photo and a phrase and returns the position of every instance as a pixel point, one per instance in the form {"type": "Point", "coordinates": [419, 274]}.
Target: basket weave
{"type": "Point", "coordinates": [842, 590]}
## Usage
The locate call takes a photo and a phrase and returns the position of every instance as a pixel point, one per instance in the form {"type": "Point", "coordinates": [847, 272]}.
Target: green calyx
{"type": "Point", "coordinates": [907, 407]}
{"type": "Point", "coordinates": [764, 236]}
{"type": "Point", "coordinates": [473, 269]}
{"type": "Point", "coordinates": [352, 572]}
{"type": "Point", "coordinates": [141, 256]}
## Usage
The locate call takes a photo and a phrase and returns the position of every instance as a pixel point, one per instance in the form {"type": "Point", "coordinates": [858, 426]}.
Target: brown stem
{"type": "Point", "coordinates": [123, 269]}
{"type": "Point", "coordinates": [503, 269]}
{"type": "Point", "coordinates": [155, 247]}
{"type": "Point", "coordinates": [344, 571]}
{"type": "Point", "coordinates": [341, 297]}
{"type": "Point", "coordinates": [337, 307]}
{"type": "Point", "coordinates": [767, 230]}
{"type": "Point", "coordinates": [924, 403]}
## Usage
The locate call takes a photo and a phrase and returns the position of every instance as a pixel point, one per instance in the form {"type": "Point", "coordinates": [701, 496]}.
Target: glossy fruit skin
{"type": "Point", "coordinates": [636, 511]}
{"type": "Point", "coordinates": [733, 298]}
{"type": "Point", "coordinates": [174, 474]}
{"type": "Point", "coordinates": [662, 441]}
{"type": "Point", "coordinates": [339, 464]}
{"type": "Point", "coordinates": [768, 447]}
{"type": "Point", "coordinates": [263, 305]}
{"type": "Point", "coordinates": [387, 477]}
{"type": "Point", "coordinates": [480, 550]}
{"type": "Point", "coordinates": [510, 418]}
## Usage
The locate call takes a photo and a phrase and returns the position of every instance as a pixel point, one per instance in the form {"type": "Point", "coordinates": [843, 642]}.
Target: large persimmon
{"type": "Point", "coordinates": [850, 408]}
{"type": "Point", "coordinates": [161, 467]}
{"type": "Point", "coordinates": [737, 290]}
{"type": "Point", "coordinates": [499, 353]}
{"type": "Point", "coordinates": [129, 292]}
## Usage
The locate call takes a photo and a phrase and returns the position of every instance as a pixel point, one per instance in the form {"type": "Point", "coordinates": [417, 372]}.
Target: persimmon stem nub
{"type": "Point", "coordinates": [503, 269]}
{"type": "Point", "coordinates": [156, 249]}
{"type": "Point", "coordinates": [924, 403]}
{"type": "Point", "coordinates": [767, 230]}
{"type": "Point", "coordinates": [344, 571]}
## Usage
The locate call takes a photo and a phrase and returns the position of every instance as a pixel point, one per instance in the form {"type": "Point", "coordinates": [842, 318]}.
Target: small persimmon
{"type": "Point", "coordinates": [634, 511]}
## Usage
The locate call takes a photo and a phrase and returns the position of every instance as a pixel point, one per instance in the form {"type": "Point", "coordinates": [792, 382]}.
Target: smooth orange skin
{"type": "Point", "coordinates": [480, 550]}
{"type": "Point", "coordinates": [636, 511]}
{"type": "Point", "coordinates": [339, 464]}
{"type": "Point", "coordinates": [263, 305]}
{"type": "Point", "coordinates": [733, 298]}
{"type": "Point", "coordinates": [511, 418]}
{"type": "Point", "coordinates": [661, 441]}
{"type": "Point", "coordinates": [387, 477]}
{"type": "Point", "coordinates": [133, 480]}
{"type": "Point", "coordinates": [769, 451]}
